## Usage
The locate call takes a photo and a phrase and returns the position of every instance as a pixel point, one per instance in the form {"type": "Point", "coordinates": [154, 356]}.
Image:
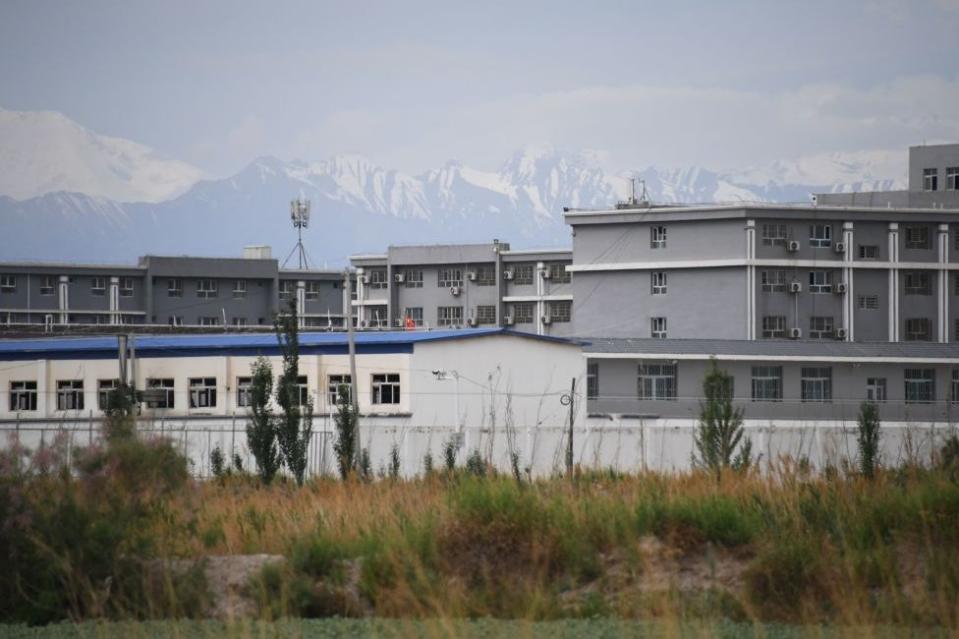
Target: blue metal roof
{"type": "Point", "coordinates": [105, 346]}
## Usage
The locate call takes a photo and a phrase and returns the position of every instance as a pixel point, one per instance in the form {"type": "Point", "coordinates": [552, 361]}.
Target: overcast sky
{"type": "Point", "coordinates": [412, 84]}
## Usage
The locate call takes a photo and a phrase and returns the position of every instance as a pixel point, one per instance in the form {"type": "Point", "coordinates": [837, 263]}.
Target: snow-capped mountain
{"type": "Point", "coordinates": [358, 206]}
{"type": "Point", "coordinates": [45, 152]}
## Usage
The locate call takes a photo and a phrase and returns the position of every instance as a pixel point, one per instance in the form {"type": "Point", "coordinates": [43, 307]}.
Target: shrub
{"type": "Point", "coordinates": [718, 438]}
{"type": "Point", "coordinates": [867, 439]}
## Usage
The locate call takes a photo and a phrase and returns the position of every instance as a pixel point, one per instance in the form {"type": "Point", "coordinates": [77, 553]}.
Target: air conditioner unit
{"type": "Point", "coordinates": [455, 291]}
{"type": "Point", "coordinates": [508, 320]}
{"type": "Point", "coordinates": [471, 321]}
{"type": "Point", "coordinates": [547, 319]}
{"type": "Point", "coordinates": [795, 287]}
{"type": "Point", "coordinates": [792, 246]}
{"type": "Point", "coordinates": [471, 276]}
{"type": "Point", "coordinates": [547, 274]}
{"type": "Point", "coordinates": [363, 324]}
{"type": "Point", "coordinates": [795, 333]}
{"type": "Point", "coordinates": [399, 277]}
{"type": "Point", "coordinates": [507, 275]}
{"type": "Point", "coordinates": [841, 333]}
{"type": "Point", "coordinates": [839, 288]}
{"type": "Point", "coordinates": [839, 247]}
{"type": "Point", "coordinates": [365, 279]}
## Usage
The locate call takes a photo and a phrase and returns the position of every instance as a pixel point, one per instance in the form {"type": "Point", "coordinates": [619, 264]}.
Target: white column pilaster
{"type": "Point", "coordinates": [943, 288]}
{"type": "Point", "coordinates": [114, 300]}
{"type": "Point", "coordinates": [893, 282]}
{"type": "Point", "coordinates": [849, 298]}
{"type": "Point", "coordinates": [300, 302]}
{"type": "Point", "coordinates": [750, 279]}
{"type": "Point", "coordinates": [64, 299]}
{"type": "Point", "coordinates": [360, 297]}
{"type": "Point", "coordinates": [540, 304]}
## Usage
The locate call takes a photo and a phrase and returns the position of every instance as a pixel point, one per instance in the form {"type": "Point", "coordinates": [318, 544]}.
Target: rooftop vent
{"type": "Point", "coordinates": [259, 252]}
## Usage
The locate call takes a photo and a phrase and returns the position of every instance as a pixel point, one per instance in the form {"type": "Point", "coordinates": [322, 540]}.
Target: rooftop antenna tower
{"type": "Point", "coordinates": [633, 202]}
{"type": "Point", "coordinates": [300, 216]}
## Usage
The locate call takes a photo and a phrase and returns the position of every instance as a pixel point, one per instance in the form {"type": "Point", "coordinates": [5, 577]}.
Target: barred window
{"type": "Point", "coordinates": [774, 326]}
{"type": "Point", "coordinates": [917, 237]}
{"type": "Point", "coordinates": [657, 381]}
{"type": "Point", "coordinates": [774, 235]}
{"type": "Point", "coordinates": [767, 383]}
{"type": "Point", "coordinates": [821, 327]}
{"type": "Point", "coordinates": [917, 283]}
{"type": "Point", "coordinates": [449, 276]}
{"type": "Point", "coordinates": [558, 273]}
{"type": "Point", "coordinates": [486, 275]}
{"type": "Point", "coordinates": [523, 274]}
{"type": "Point", "coordinates": [486, 314]}
{"type": "Point", "coordinates": [378, 278]}
{"type": "Point", "coordinates": [868, 302]}
{"type": "Point", "coordinates": [413, 278]}
{"type": "Point", "coordinates": [920, 385]}
{"type": "Point", "coordinates": [816, 384]}
{"type": "Point", "coordinates": [918, 329]}
{"type": "Point", "coordinates": [876, 389]}
{"type": "Point", "coordinates": [592, 381]}
{"type": "Point", "coordinates": [523, 312]}
{"type": "Point", "coordinates": [449, 316]}
{"type": "Point", "coordinates": [560, 311]}
{"type": "Point", "coordinates": [773, 281]}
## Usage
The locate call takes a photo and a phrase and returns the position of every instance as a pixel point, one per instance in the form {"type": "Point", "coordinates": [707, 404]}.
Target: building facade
{"type": "Point", "coordinates": [466, 285]}
{"type": "Point", "coordinates": [169, 291]}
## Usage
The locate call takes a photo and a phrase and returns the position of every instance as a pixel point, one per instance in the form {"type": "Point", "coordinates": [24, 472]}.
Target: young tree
{"type": "Point", "coordinates": [868, 438]}
{"type": "Point", "coordinates": [345, 445]}
{"type": "Point", "coordinates": [261, 430]}
{"type": "Point", "coordinates": [719, 436]}
{"type": "Point", "coordinates": [295, 425]}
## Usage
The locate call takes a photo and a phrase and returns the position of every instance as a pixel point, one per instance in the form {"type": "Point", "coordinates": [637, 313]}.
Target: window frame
{"type": "Point", "coordinates": [820, 235]}
{"type": "Point", "coordinates": [559, 311]}
{"type": "Point", "coordinates": [126, 286]}
{"type": "Point", "coordinates": [658, 283]}
{"type": "Point", "coordinates": [820, 288]}
{"type": "Point", "coordinates": [449, 276]}
{"type": "Point", "coordinates": [930, 179]}
{"type": "Point", "coordinates": [919, 385]}
{"type": "Point", "coordinates": [822, 327]}
{"type": "Point", "coordinates": [916, 283]}
{"type": "Point", "coordinates": [658, 328]}
{"type": "Point", "coordinates": [816, 384]}
{"type": "Point", "coordinates": [486, 275]}
{"type": "Point", "coordinates": [485, 314]}
{"type": "Point", "coordinates": [202, 392]}
{"type": "Point", "coordinates": [876, 389]}
{"type": "Point", "coordinates": [48, 285]}
{"type": "Point", "coordinates": [69, 394]}
{"type": "Point", "coordinates": [240, 289]}
{"type": "Point", "coordinates": [764, 379]}
{"type": "Point", "coordinates": [779, 238]}
{"type": "Point", "coordinates": [101, 290]}
{"type": "Point", "coordinates": [774, 332]}
{"type": "Point", "coordinates": [656, 381]}
{"type": "Point", "coordinates": [207, 288]}
{"type": "Point", "coordinates": [773, 281]}
{"type": "Point", "coordinates": [917, 329]}
{"type": "Point", "coordinates": [174, 287]}
{"type": "Point", "coordinates": [453, 316]}
{"type": "Point", "coordinates": [867, 302]}
{"type": "Point", "coordinates": [952, 178]}
{"type": "Point", "coordinates": [385, 389]}
{"type": "Point", "coordinates": [523, 274]}
{"type": "Point", "coordinates": [23, 396]}
{"type": "Point", "coordinates": [167, 384]}
{"type": "Point", "coordinates": [104, 388]}
{"type": "Point", "coordinates": [558, 273]}
{"type": "Point", "coordinates": [8, 283]}
{"type": "Point", "coordinates": [868, 252]}
{"type": "Point", "coordinates": [592, 380]}
{"type": "Point", "coordinates": [916, 237]}
{"type": "Point", "coordinates": [413, 278]}
{"type": "Point", "coordinates": [332, 391]}
{"type": "Point", "coordinates": [657, 237]}
{"type": "Point", "coordinates": [244, 391]}
{"type": "Point", "coordinates": [528, 316]}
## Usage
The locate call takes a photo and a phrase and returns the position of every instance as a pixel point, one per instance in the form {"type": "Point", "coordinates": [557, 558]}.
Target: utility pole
{"type": "Point", "coordinates": [570, 400]}
{"type": "Point", "coordinates": [351, 340]}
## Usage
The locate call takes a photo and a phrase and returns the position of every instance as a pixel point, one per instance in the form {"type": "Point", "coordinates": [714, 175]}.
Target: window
{"type": "Point", "coordinates": [287, 287]}
{"type": "Point", "coordinates": [523, 274]}
{"type": "Point", "coordinates": [312, 289]}
{"type": "Point", "coordinates": [657, 327]}
{"type": "Point", "coordinates": [955, 386]}
{"type": "Point", "coordinates": [176, 320]}
{"type": "Point", "coordinates": [209, 321]}
{"type": "Point", "coordinates": [820, 281]}
{"type": "Point", "coordinates": [377, 317]}
{"type": "Point", "coordinates": [917, 237]}
{"type": "Point", "coordinates": [876, 389]}
{"type": "Point", "coordinates": [126, 287]}
{"type": "Point", "coordinates": [378, 278]}
{"type": "Point", "coordinates": [559, 311]}
{"type": "Point", "coordinates": [657, 237]}
{"type": "Point", "coordinates": [449, 276]}
{"type": "Point", "coordinates": [338, 388]}
{"type": "Point", "coordinates": [558, 273]}
{"type": "Point", "coordinates": [207, 288]}
{"type": "Point", "coordinates": [592, 381]}
{"type": "Point", "coordinates": [773, 281]}
{"type": "Point", "coordinates": [868, 302]}
{"type": "Point", "coordinates": [160, 393]}
{"type": "Point", "coordinates": [303, 390]}
{"type": "Point", "coordinates": [657, 381]}
{"type": "Point", "coordinates": [414, 313]}
{"type": "Point", "coordinates": [70, 394]}
{"type": "Point", "coordinates": [174, 287]}
{"type": "Point", "coordinates": [386, 388]}
{"type": "Point", "coordinates": [413, 278]}
{"type": "Point", "coordinates": [774, 326]}
{"type": "Point", "coordinates": [449, 316]}
{"type": "Point", "coordinates": [23, 396]}
{"type": "Point", "coordinates": [868, 252]}
{"type": "Point", "coordinates": [657, 282]}
{"type": "Point", "coordinates": [774, 235]}
{"type": "Point", "coordinates": [920, 385]}
{"type": "Point", "coordinates": [486, 275]}
{"type": "Point", "coordinates": [239, 321]}
{"type": "Point", "coordinates": [952, 178]}
{"type": "Point", "coordinates": [930, 179]}
{"type": "Point", "coordinates": [202, 392]}
{"type": "Point", "coordinates": [239, 289]}
{"type": "Point", "coordinates": [816, 384]}
{"type": "Point", "coordinates": [918, 329]}
{"type": "Point", "coordinates": [8, 283]}
{"type": "Point", "coordinates": [821, 327]}
{"type": "Point", "coordinates": [98, 286]}
{"type": "Point", "coordinates": [523, 312]}
{"type": "Point", "coordinates": [917, 283]}
{"type": "Point", "coordinates": [105, 388]}
{"type": "Point", "coordinates": [820, 235]}
{"type": "Point", "coordinates": [486, 314]}
{"type": "Point", "coordinates": [244, 392]}
{"type": "Point", "coordinates": [767, 383]}
{"type": "Point", "coordinates": [47, 284]}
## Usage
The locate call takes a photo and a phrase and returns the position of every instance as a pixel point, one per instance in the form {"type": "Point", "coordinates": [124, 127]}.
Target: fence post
{"type": "Point", "coordinates": [233, 437]}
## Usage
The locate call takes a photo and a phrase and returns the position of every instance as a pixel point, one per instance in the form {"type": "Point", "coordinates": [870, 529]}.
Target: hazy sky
{"type": "Point", "coordinates": [412, 84]}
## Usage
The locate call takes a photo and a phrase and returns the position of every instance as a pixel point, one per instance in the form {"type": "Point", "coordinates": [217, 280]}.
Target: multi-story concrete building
{"type": "Point", "coordinates": [464, 285]}
{"type": "Point", "coordinates": [813, 308]}
{"type": "Point", "coordinates": [169, 291]}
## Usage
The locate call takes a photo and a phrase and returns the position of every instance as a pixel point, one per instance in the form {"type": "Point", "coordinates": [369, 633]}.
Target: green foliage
{"type": "Point", "coordinates": [295, 426]}
{"type": "Point", "coordinates": [949, 456]}
{"type": "Point", "coordinates": [476, 465]}
{"type": "Point", "coordinates": [718, 438]}
{"type": "Point", "coordinates": [260, 431]}
{"type": "Point", "coordinates": [217, 463]}
{"type": "Point", "coordinates": [345, 446]}
{"type": "Point", "coordinates": [120, 422]}
{"type": "Point", "coordinates": [867, 439]}
{"type": "Point", "coordinates": [364, 465]}
{"type": "Point", "coordinates": [394, 469]}
{"type": "Point", "coordinates": [449, 454]}
{"type": "Point", "coordinates": [428, 464]}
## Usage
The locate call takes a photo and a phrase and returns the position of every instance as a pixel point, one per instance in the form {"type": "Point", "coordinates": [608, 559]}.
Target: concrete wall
{"type": "Point", "coordinates": [938, 156]}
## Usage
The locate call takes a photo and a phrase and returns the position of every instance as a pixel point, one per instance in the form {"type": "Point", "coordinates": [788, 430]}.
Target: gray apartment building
{"type": "Point", "coordinates": [169, 292]}
{"type": "Point", "coordinates": [466, 285]}
{"type": "Point", "coordinates": [813, 308]}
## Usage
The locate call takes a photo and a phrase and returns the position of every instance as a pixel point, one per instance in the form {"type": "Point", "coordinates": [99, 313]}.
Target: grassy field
{"type": "Point", "coordinates": [675, 555]}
